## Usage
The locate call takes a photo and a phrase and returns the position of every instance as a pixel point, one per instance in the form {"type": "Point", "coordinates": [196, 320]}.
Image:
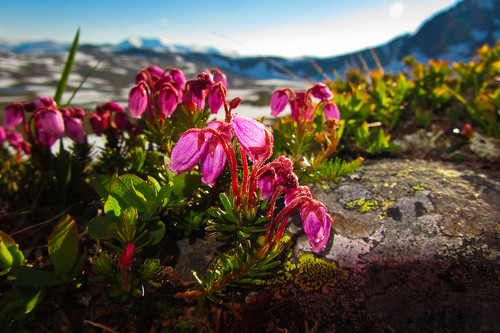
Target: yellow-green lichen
{"type": "Point", "coordinates": [418, 187]}
{"type": "Point", "coordinates": [362, 205]}
{"type": "Point", "coordinates": [309, 274]}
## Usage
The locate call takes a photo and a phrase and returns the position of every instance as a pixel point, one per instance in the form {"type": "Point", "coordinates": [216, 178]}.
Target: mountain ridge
{"type": "Point", "coordinates": [453, 34]}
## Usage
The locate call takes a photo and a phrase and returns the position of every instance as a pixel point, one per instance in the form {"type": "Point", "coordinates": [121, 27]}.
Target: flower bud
{"type": "Point", "coordinates": [317, 224]}
{"type": "Point", "coordinates": [216, 98]}
{"type": "Point", "coordinates": [121, 121]}
{"type": "Point", "coordinates": [74, 129]}
{"type": "Point", "coordinates": [127, 258]}
{"type": "Point", "coordinates": [219, 77]}
{"type": "Point", "coordinates": [178, 78]}
{"type": "Point", "coordinates": [138, 100]}
{"type": "Point", "coordinates": [167, 100]}
{"type": "Point", "coordinates": [13, 115]}
{"type": "Point", "coordinates": [279, 100]}
{"type": "Point", "coordinates": [3, 135]}
{"type": "Point", "coordinates": [51, 121]}
{"type": "Point", "coordinates": [234, 103]}
{"type": "Point", "coordinates": [96, 124]}
{"type": "Point", "coordinates": [331, 111]}
{"type": "Point", "coordinates": [321, 91]}
{"type": "Point", "coordinates": [47, 102]}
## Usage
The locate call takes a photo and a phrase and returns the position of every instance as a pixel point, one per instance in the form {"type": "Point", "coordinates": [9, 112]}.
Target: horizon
{"type": "Point", "coordinates": [265, 29]}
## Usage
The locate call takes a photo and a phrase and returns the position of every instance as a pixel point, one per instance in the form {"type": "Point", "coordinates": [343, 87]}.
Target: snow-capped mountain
{"type": "Point", "coordinates": [454, 34]}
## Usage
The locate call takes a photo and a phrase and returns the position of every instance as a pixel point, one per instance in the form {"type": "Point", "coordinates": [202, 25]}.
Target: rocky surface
{"type": "Point", "coordinates": [417, 247]}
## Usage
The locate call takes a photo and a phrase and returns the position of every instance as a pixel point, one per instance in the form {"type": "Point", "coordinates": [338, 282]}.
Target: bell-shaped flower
{"type": "Point", "coordinates": [138, 100]}
{"type": "Point", "coordinates": [167, 100]}
{"type": "Point", "coordinates": [219, 77]}
{"type": "Point", "coordinates": [46, 138]}
{"type": "Point", "coordinates": [3, 135]}
{"type": "Point", "coordinates": [188, 151]}
{"type": "Point", "coordinates": [121, 121]}
{"type": "Point", "coordinates": [97, 124]}
{"type": "Point", "coordinates": [317, 224]}
{"type": "Point", "coordinates": [178, 78]}
{"type": "Point", "coordinates": [216, 98]}
{"type": "Point", "coordinates": [266, 185]}
{"type": "Point", "coordinates": [302, 107]}
{"type": "Point", "coordinates": [233, 104]}
{"type": "Point", "coordinates": [321, 91]}
{"type": "Point", "coordinates": [253, 136]}
{"type": "Point", "coordinates": [213, 162]}
{"type": "Point", "coordinates": [13, 115]}
{"type": "Point", "coordinates": [331, 111]}
{"type": "Point", "coordinates": [52, 123]}
{"type": "Point", "coordinates": [279, 100]}
{"type": "Point", "coordinates": [74, 129]}
{"type": "Point", "coordinates": [44, 101]}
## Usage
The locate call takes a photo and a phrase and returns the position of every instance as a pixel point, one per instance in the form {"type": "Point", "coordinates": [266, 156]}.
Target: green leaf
{"type": "Point", "coordinates": [21, 302]}
{"type": "Point", "coordinates": [156, 231]}
{"type": "Point", "coordinates": [10, 255]}
{"type": "Point", "coordinates": [29, 276]}
{"type": "Point", "coordinates": [102, 185]}
{"type": "Point", "coordinates": [61, 87]}
{"type": "Point", "coordinates": [184, 185]}
{"type": "Point", "coordinates": [82, 82]}
{"type": "Point", "coordinates": [63, 245]}
{"type": "Point", "coordinates": [112, 205]}
{"type": "Point", "coordinates": [99, 227]}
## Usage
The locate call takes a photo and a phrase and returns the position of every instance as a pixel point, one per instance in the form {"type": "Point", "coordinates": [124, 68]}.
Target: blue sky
{"type": "Point", "coordinates": [259, 27]}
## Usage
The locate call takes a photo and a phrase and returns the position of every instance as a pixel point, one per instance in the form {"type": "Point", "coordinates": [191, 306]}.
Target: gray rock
{"type": "Point", "coordinates": [417, 248]}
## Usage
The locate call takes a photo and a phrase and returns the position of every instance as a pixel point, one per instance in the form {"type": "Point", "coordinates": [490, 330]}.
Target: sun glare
{"type": "Point", "coordinates": [396, 10]}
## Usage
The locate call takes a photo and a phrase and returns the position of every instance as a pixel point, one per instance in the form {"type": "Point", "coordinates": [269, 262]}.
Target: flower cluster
{"type": "Point", "coordinates": [212, 146]}
{"type": "Point", "coordinates": [159, 92]}
{"type": "Point", "coordinates": [301, 103]}
{"type": "Point", "coordinates": [109, 116]}
{"type": "Point", "coordinates": [43, 122]}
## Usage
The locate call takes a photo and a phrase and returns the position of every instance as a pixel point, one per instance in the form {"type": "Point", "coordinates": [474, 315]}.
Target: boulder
{"type": "Point", "coordinates": [415, 248]}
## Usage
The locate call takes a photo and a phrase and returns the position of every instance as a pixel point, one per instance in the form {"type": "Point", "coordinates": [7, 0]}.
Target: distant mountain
{"type": "Point", "coordinates": [454, 34]}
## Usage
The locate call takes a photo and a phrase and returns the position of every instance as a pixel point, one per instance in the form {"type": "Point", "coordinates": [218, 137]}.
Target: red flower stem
{"type": "Point", "coordinates": [231, 159]}
{"type": "Point", "coordinates": [245, 172]}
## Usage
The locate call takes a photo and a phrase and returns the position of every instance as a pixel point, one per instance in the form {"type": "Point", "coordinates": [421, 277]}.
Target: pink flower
{"type": "Point", "coordinates": [74, 129]}
{"type": "Point", "coordinates": [213, 162]}
{"type": "Point", "coordinates": [219, 77]}
{"type": "Point", "coordinates": [46, 138]}
{"type": "Point", "coordinates": [331, 111]}
{"type": "Point", "coordinates": [321, 91]}
{"type": "Point", "coordinates": [13, 115]}
{"type": "Point", "coordinates": [97, 124]}
{"type": "Point", "coordinates": [266, 186]}
{"type": "Point", "coordinates": [188, 151]}
{"type": "Point", "coordinates": [279, 100]}
{"type": "Point", "coordinates": [317, 224]}
{"type": "Point", "coordinates": [3, 135]}
{"type": "Point", "coordinates": [168, 100]}
{"type": "Point", "coordinates": [216, 98]}
{"type": "Point", "coordinates": [44, 101]}
{"type": "Point", "coordinates": [121, 121]}
{"type": "Point", "coordinates": [254, 137]}
{"type": "Point", "coordinates": [138, 100]}
{"type": "Point", "coordinates": [301, 107]}
{"type": "Point", "coordinates": [178, 78]}
{"type": "Point", "coordinates": [52, 123]}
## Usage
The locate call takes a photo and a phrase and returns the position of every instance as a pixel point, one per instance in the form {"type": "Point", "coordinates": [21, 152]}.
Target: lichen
{"type": "Point", "coordinates": [362, 205]}
{"type": "Point", "coordinates": [309, 274]}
